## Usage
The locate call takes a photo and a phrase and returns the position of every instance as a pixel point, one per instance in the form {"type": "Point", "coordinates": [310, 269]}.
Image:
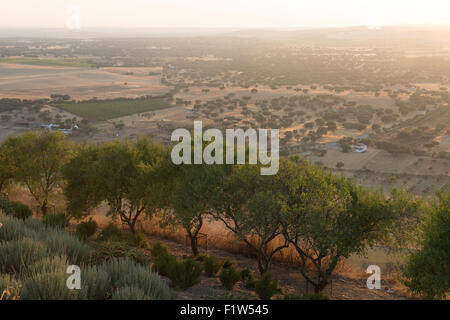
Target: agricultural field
{"type": "Point", "coordinates": [105, 110]}
{"type": "Point", "coordinates": [45, 62]}
{"type": "Point", "coordinates": [40, 81]}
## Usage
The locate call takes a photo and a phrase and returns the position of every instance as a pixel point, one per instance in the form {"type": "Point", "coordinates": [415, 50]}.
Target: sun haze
{"type": "Point", "coordinates": [230, 13]}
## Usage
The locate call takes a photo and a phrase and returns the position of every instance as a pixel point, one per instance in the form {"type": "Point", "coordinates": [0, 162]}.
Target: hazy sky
{"type": "Point", "coordinates": [223, 13]}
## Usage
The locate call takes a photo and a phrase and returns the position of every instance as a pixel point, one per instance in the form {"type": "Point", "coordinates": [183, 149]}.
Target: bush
{"type": "Point", "coordinates": [187, 273]}
{"type": "Point", "coordinates": [266, 286]}
{"type": "Point", "coordinates": [149, 282]}
{"type": "Point", "coordinates": [110, 233]}
{"type": "Point", "coordinates": [15, 229]}
{"type": "Point", "coordinates": [49, 286]}
{"type": "Point", "coordinates": [130, 293]}
{"type": "Point", "coordinates": [354, 126]}
{"type": "Point", "coordinates": [212, 265]}
{"type": "Point", "coordinates": [34, 225]}
{"type": "Point", "coordinates": [55, 220]}
{"type": "Point", "coordinates": [248, 278]}
{"type": "Point", "coordinates": [86, 229]}
{"type": "Point", "coordinates": [60, 242]}
{"type": "Point", "coordinates": [159, 249]}
{"type": "Point", "coordinates": [229, 277]}
{"type": "Point", "coordinates": [139, 240]}
{"type": "Point", "coordinates": [127, 273]}
{"type": "Point", "coordinates": [97, 282]}
{"type": "Point", "coordinates": [165, 265]}
{"type": "Point", "coordinates": [105, 251]}
{"type": "Point", "coordinates": [20, 210]}
{"type": "Point", "coordinates": [6, 206]}
{"type": "Point", "coordinates": [48, 265]}
{"type": "Point", "coordinates": [229, 263]}
{"type": "Point", "coordinates": [16, 255]}
{"type": "Point", "coordinates": [117, 268]}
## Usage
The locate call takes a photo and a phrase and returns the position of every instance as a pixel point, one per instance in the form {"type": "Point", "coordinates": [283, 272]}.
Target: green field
{"type": "Point", "coordinates": [104, 110]}
{"type": "Point", "coordinates": [45, 62]}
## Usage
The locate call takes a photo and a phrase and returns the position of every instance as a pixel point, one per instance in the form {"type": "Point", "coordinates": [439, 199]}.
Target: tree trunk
{"type": "Point", "coordinates": [132, 226]}
{"type": "Point", "coordinates": [263, 264]}
{"type": "Point", "coordinates": [44, 208]}
{"type": "Point", "coordinates": [194, 245]}
{"type": "Point", "coordinates": [321, 284]}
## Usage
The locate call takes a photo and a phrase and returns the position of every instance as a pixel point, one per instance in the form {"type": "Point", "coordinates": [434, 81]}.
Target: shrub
{"type": "Point", "coordinates": [187, 273]}
{"type": "Point", "coordinates": [246, 274]}
{"type": "Point", "coordinates": [165, 265]}
{"type": "Point", "coordinates": [110, 233]}
{"type": "Point", "coordinates": [17, 254]}
{"type": "Point", "coordinates": [130, 293]}
{"type": "Point", "coordinates": [86, 229]}
{"type": "Point", "coordinates": [149, 282]}
{"type": "Point", "coordinates": [127, 273]}
{"type": "Point", "coordinates": [48, 265]}
{"type": "Point", "coordinates": [97, 282]}
{"type": "Point", "coordinates": [20, 210]}
{"type": "Point", "coordinates": [55, 220]}
{"type": "Point", "coordinates": [49, 286]}
{"type": "Point", "coordinates": [248, 278]}
{"type": "Point", "coordinates": [15, 229]}
{"type": "Point", "coordinates": [266, 286]}
{"type": "Point", "coordinates": [159, 249]}
{"type": "Point", "coordinates": [105, 251]}
{"type": "Point", "coordinates": [229, 277]}
{"type": "Point", "coordinates": [212, 265]}
{"type": "Point", "coordinates": [34, 225]}
{"type": "Point", "coordinates": [60, 242]}
{"type": "Point", "coordinates": [139, 240]}
{"type": "Point", "coordinates": [229, 263]}
{"type": "Point", "coordinates": [354, 126]}
{"type": "Point", "coordinates": [6, 206]}
{"type": "Point", "coordinates": [117, 268]}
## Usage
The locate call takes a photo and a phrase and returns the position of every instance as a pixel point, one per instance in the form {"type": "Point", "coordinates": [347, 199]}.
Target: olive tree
{"type": "Point", "coordinates": [249, 206]}
{"type": "Point", "coordinates": [35, 160]}
{"type": "Point", "coordinates": [328, 218]}
{"type": "Point", "coordinates": [191, 200]}
{"type": "Point", "coordinates": [133, 179]}
{"type": "Point", "coordinates": [428, 268]}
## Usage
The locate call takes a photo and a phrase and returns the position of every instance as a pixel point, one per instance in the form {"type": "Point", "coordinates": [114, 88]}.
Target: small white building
{"type": "Point", "coordinates": [359, 148]}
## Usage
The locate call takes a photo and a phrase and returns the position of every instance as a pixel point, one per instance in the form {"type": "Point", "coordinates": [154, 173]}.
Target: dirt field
{"type": "Point", "coordinates": [32, 82]}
